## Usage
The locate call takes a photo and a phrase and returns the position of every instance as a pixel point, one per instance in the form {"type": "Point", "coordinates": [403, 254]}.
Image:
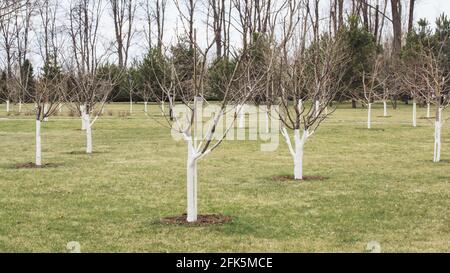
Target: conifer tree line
{"type": "Point", "coordinates": [42, 38]}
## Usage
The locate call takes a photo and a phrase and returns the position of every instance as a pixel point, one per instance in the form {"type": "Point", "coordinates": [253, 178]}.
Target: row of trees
{"type": "Point", "coordinates": [288, 60]}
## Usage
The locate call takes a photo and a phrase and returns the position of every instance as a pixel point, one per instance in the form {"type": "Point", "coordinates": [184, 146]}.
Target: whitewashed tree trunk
{"type": "Point", "coordinates": [369, 116]}
{"type": "Point", "coordinates": [267, 121]}
{"type": "Point", "coordinates": [428, 110]}
{"type": "Point", "coordinates": [88, 134]}
{"type": "Point", "coordinates": [300, 105]}
{"type": "Point", "coordinates": [385, 112]}
{"type": "Point", "coordinates": [191, 184]}
{"type": "Point", "coordinates": [437, 136]}
{"type": "Point", "coordinates": [20, 106]}
{"type": "Point", "coordinates": [437, 142]}
{"type": "Point", "coordinates": [299, 142]}
{"type": "Point", "coordinates": [45, 112]}
{"type": "Point", "coordinates": [131, 104]}
{"type": "Point", "coordinates": [162, 108]}
{"type": "Point", "coordinates": [414, 114]}
{"type": "Point", "coordinates": [7, 106]}
{"type": "Point", "coordinates": [38, 143]}
{"type": "Point", "coordinates": [145, 107]}
{"type": "Point", "coordinates": [60, 108]}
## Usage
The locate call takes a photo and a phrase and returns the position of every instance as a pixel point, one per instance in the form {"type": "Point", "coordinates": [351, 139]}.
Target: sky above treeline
{"type": "Point", "coordinates": [429, 9]}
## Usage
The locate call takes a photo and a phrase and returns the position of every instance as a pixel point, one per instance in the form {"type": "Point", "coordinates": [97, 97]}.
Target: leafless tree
{"type": "Point", "coordinates": [123, 13]}
{"type": "Point", "coordinates": [431, 76]}
{"type": "Point", "coordinates": [89, 85]}
{"type": "Point", "coordinates": [308, 73]}
{"type": "Point", "coordinates": [155, 13]}
{"type": "Point", "coordinates": [396, 8]}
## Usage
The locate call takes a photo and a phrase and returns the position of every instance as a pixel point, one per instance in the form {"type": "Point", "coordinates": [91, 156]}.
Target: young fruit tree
{"type": "Point", "coordinates": [371, 87]}
{"type": "Point", "coordinates": [47, 98]}
{"type": "Point", "coordinates": [90, 81]}
{"type": "Point", "coordinates": [186, 90]}
{"type": "Point", "coordinates": [308, 72]}
{"type": "Point", "coordinates": [435, 76]}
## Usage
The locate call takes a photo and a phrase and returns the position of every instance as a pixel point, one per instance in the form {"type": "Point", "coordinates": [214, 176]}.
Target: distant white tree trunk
{"type": "Point", "coordinates": [437, 136]}
{"type": "Point", "coordinates": [131, 104]}
{"type": "Point", "coordinates": [414, 114]}
{"type": "Point", "coordinates": [428, 110]}
{"type": "Point", "coordinates": [20, 106]}
{"type": "Point", "coordinates": [7, 106]}
{"type": "Point", "coordinates": [300, 105]}
{"type": "Point", "coordinates": [299, 142]}
{"type": "Point", "coordinates": [38, 143]}
{"type": "Point", "coordinates": [145, 107]}
{"type": "Point", "coordinates": [45, 111]}
{"type": "Point", "coordinates": [191, 184]}
{"type": "Point", "coordinates": [60, 108]}
{"type": "Point", "coordinates": [88, 134]}
{"type": "Point", "coordinates": [267, 121]}
{"type": "Point", "coordinates": [369, 116]}
{"type": "Point", "coordinates": [385, 113]}
{"type": "Point", "coordinates": [162, 108]}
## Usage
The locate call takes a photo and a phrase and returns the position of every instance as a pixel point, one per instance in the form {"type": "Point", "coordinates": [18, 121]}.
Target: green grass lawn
{"type": "Point", "coordinates": [382, 186]}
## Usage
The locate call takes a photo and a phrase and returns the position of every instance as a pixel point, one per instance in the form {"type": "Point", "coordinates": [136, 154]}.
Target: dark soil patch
{"type": "Point", "coordinates": [202, 220]}
{"type": "Point", "coordinates": [31, 165]}
{"type": "Point", "coordinates": [285, 178]}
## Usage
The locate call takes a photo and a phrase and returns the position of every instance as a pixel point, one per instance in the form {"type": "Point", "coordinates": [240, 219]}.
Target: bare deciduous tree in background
{"type": "Point", "coordinates": [89, 86]}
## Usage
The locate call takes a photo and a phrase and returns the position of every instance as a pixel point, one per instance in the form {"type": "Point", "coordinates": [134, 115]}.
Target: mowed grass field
{"type": "Point", "coordinates": [382, 186]}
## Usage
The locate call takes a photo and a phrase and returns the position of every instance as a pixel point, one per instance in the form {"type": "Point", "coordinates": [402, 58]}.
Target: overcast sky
{"type": "Point", "coordinates": [429, 9]}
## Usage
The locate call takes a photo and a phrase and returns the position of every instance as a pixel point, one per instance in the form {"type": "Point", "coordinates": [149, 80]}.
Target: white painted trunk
{"type": "Point", "coordinates": [60, 108]}
{"type": "Point", "coordinates": [20, 106]}
{"type": "Point", "coordinates": [38, 143]}
{"type": "Point", "coordinates": [437, 141]}
{"type": "Point", "coordinates": [146, 107]}
{"type": "Point", "coordinates": [131, 105]}
{"type": "Point", "coordinates": [428, 110]}
{"type": "Point", "coordinates": [414, 114]}
{"type": "Point", "coordinates": [88, 134]}
{"type": "Point", "coordinates": [45, 112]}
{"type": "Point", "coordinates": [385, 112]}
{"type": "Point", "coordinates": [300, 105]}
{"type": "Point", "coordinates": [299, 142]}
{"type": "Point", "coordinates": [369, 116]}
{"type": "Point", "coordinates": [7, 106]}
{"type": "Point", "coordinates": [191, 185]}
{"type": "Point", "coordinates": [267, 121]}
{"type": "Point", "coordinates": [162, 108]}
